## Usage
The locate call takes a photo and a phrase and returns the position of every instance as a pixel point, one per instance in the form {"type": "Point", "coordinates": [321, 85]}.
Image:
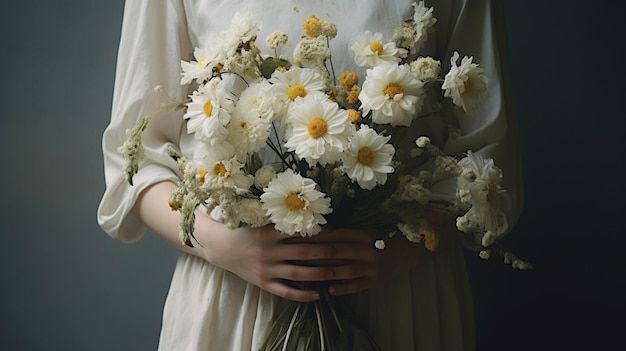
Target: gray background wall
{"type": "Point", "coordinates": [67, 286]}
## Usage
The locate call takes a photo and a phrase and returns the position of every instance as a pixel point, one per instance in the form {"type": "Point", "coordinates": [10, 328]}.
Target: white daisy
{"type": "Point", "coordinates": [392, 94]}
{"type": "Point", "coordinates": [370, 51]}
{"type": "Point", "coordinates": [201, 70]}
{"type": "Point", "coordinates": [293, 84]}
{"type": "Point", "coordinates": [218, 167]}
{"type": "Point", "coordinates": [294, 205]}
{"type": "Point", "coordinates": [465, 84]}
{"type": "Point", "coordinates": [317, 130]}
{"type": "Point", "coordinates": [368, 158]}
{"type": "Point", "coordinates": [479, 186]}
{"type": "Point", "coordinates": [208, 113]}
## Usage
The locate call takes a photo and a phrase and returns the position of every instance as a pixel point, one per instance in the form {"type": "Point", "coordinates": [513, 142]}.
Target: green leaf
{"type": "Point", "coordinates": [270, 64]}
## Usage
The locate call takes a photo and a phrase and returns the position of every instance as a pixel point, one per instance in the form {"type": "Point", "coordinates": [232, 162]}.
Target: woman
{"type": "Point", "coordinates": [224, 292]}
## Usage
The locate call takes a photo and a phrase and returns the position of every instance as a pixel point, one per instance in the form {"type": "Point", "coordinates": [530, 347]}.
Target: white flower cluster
{"type": "Point", "coordinates": [333, 138]}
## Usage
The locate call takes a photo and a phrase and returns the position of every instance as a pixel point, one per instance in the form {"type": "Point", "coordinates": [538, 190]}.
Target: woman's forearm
{"type": "Point", "coordinates": [153, 210]}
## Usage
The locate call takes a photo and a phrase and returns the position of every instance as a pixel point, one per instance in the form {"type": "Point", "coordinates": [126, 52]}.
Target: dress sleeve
{"type": "Point", "coordinates": [476, 28]}
{"type": "Point", "coordinates": [153, 41]}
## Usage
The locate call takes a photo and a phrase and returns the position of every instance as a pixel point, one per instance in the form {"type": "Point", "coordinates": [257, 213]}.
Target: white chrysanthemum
{"type": "Point", "coordinates": [481, 191]}
{"type": "Point", "coordinates": [294, 205]}
{"type": "Point", "coordinates": [293, 84]}
{"type": "Point", "coordinates": [465, 84]}
{"type": "Point", "coordinates": [201, 70]}
{"type": "Point", "coordinates": [248, 130]}
{"type": "Point", "coordinates": [370, 51]}
{"type": "Point", "coordinates": [256, 98]}
{"type": "Point", "coordinates": [392, 94]}
{"type": "Point", "coordinates": [368, 158]}
{"type": "Point", "coordinates": [218, 167]}
{"type": "Point", "coordinates": [426, 68]}
{"type": "Point", "coordinates": [208, 113]}
{"type": "Point", "coordinates": [317, 130]}
{"type": "Point", "coordinates": [243, 30]}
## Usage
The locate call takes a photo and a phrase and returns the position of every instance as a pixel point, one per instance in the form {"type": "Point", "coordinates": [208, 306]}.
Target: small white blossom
{"type": "Point", "coordinates": [251, 212]}
{"type": "Point", "coordinates": [484, 254]}
{"type": "Point", "coordinates": [422, 142]}
{"type": "Point", "coordinates": [276, 39]}
{"type": "Point", "coordinates": [264, 176]}
{"type": "Point", "coordinates": [329, 29]}
{"type": "Point", "coordinates": [488, 238]}
{"type": "Point", "coordinates": [379, 244]}
{"type": "Point", "coordinates": [245, 64]}
{"type": "Point", "coordinates": [312, 52]}
{"type": "Point", "coordinates": [426, 68]}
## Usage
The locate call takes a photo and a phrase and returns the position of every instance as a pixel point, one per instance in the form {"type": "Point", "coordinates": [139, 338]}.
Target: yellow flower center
{"type": "Point", "coordinates": [244, 125]}
{"type": "Point", "coordinates": [202, 174]}
{"type": "Point", "coordinates": [293, 202]}
{"type": "Point", "coordinates": [317, 128]}
{"type": "Point", "coordinates": [201, 62]}
{"type": "Point", "coordinates": [208, 108]}
{"type": "Point", "coordinates": [219, 169]}
{"type": "Point", "coordinates": [296, 90]}
{"type": "Point", "coordinates": [348, 79]}
{"type": "Point", "coordinates": [366, 155]}
{"type": "Point", "coordinates": [376, 47]}
{"type": "Point", "coordinates": [392, 89]}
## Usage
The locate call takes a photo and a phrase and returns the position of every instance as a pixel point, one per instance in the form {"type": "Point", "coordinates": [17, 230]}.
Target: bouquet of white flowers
{"type": "Point", "coordinates": [339, 150]}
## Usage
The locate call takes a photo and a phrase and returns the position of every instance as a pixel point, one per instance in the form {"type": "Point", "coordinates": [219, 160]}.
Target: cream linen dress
{"type": "Point", "coordinates": [207, 308]}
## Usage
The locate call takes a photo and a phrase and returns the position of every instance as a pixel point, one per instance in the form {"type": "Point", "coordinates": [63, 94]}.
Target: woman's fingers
{"type": "Point", "coordinates": [281, 289]}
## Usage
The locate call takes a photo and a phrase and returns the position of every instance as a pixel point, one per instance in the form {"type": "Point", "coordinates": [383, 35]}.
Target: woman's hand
{"type": "Point", "coordinates": [358, 265]}
{"type": "Point", "coordinates": [268, 259]}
